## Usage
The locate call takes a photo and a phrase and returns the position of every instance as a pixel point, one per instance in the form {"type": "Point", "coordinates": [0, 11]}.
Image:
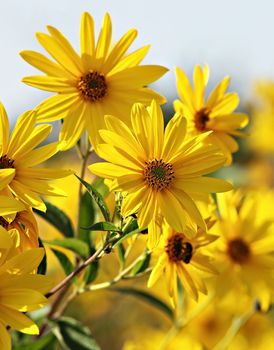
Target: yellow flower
{"type": "Point", "coordinates": [99, 81]}
{"type": "Point", "coordinates": [9, 205]}
{"type": "Point", "coordinates": [21, 290]}
{"type": "Point", "coordinates": [23, 224]}
{"type": "Point", "coordinates": [161, 173]}
{"type": "Point", "coordinates": [217, 113]}
{"type": "Point", "coordinates": [179, 255]}
{"type": "Point", "coordinates": [244, 251]}
{"type": "Point", "coordinates": [18, 155]}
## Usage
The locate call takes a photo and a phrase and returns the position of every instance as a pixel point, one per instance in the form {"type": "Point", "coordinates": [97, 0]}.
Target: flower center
{"type": "Point", "coordinates": [6, 162]}
{"type": "Point", "coordinates": [200, 119]}
{"type": "Point", "coordinates": [158, 174]}
{"type": "Point", "coordinates": [178, 250]}
{"type": "Point", "coordinates": [92, 86]}
{"type": "Point", "coordinates": [238, 250]}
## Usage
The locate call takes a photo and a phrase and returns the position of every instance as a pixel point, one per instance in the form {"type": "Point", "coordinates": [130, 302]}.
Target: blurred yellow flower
{"type": "Point", "coordinates": [9, 205]}
{"type": "Point", "coordinates": [21, 290]}
{"type": "Point", "coordinates": [217, 113]}
{"type": "Point", "coordinates": [179, 255]}
{"type": "Point", "coordinates": [161, 173]}
{"type": "Point", "coordinates": [100, 81]}
{"type": "Point", "coordinates": [18, 155]}
{"type": "Point", "coordinates": [244, 251]}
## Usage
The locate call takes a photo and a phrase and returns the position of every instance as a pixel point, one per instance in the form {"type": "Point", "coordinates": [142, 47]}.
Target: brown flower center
{"type": "Point", "coordinates": [92, 86]}
{"type": "Point", "coordinates": [200, 119]}
{"type": "Point", "coordinates": [178, 250]}
{"type": "Point", "coordinates": [158, 174]}
{"type": "Point", "coordinates": [6, 162]}
{"type": "Point", "coordinates": [238, 250]}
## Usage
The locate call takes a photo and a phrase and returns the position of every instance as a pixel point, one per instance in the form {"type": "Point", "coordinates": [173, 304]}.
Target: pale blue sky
{"type": "Point", "coordinates": [234, 37]}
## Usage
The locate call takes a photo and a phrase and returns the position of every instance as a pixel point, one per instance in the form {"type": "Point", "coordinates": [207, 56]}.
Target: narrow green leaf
{"type": "Point", "coordinates": [47, 342]}
{"type": "Point", "coordinates": [101, 187]}
{"type": "Point", "coordinates": [121, 253]}
{"type": "Point", "coordinates": [87, 216]}
{"type": "Point", "coordinates": [102, 226]}
{"type": "Point", "coordinates": [57, 218]}
{"type": "Point", "coordinates": [42, 268]}
{"type": "Point", "coordinates": [141, 265]}
{"type": "Point", "coordinates": [97, 197]}
{"type": "Point", "coordinates": [147, 297]}
{"type": "Point", "coordinates": [73, 335]}
{"type": "Point", "coordinates": [133, 226]}
{"type": "Point", "coordinates": [64, 261]}
{"type": "Point", "coordinates": [75, 245]}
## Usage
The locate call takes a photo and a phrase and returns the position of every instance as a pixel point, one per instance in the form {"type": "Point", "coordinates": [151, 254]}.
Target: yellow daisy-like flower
{"type": "Point", "coordinates": [179, 255]}
{"type": "Point", "coordinates": [20, 290]}
{"type": "Point", "coordinates": [244, 251]}
{"type": "Point", "coordinates": [9, 205]}
{"type": "Point", "coordinates": [18, 156]}
{"type": "Point", "coordinates": [24, 225]}
{"type": "Point", "coordinates": [160, 171]}
{"type": "Point", "coordinates": [216, 114]}
{"type": "Point", "coordinates": [101, 80]}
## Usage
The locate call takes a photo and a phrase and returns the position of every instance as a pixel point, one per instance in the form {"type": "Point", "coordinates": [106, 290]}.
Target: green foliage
{"type": "Point", "coordinates": [64, 261]}
{"type": "Point", "coordinates": [102, 226]}
{"type": "Point", "coordinates": [47, 342]}
{"type": "Point", "coordinates": [87, 216]}
{"type": "Point", "coordinates": [73, 244]}
{"type": "Point", "coordinates": [97, 197]}
{"type": "Point", "coordinates": [149, 298]}
{"type": "Point", "coordinates": [57, 218]}
{"type": "Point", "coordinates": [73, 335]}
{"type": "Point", "coordinates": [42, 268]}
{"type": "Point", "coordinates": [142, 265]}
{"type": "Point", "coordinates": [92, 270]}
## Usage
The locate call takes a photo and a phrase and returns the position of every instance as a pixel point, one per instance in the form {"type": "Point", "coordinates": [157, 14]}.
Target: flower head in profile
{"type": "Point", "coordinates": [101, 80]}
{"type": "Point", "coordinates": [179, 255]}
{"type": "Point", "coordinates": [21, 290]}
{"type": "Point", "coordinates": [245, 248]}
{"type": "Point", "coordinates": [216, 113]}
{"type": "Point", "coordinates": [24, 226]}
{"type": "Point", "coordinates": [19, 155]}
{"type": "Point", "coordinates": [161, 172]}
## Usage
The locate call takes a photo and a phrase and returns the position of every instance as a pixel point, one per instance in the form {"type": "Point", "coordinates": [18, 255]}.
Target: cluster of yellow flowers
{"type": "Point", "coordinates": [220, 245]}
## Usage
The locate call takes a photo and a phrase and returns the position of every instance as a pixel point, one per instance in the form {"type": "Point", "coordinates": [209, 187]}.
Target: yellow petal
{"type": "Point", "coordinates": [184, 88]}
{"type": "Point", "coordinates": [157, 271]}
{"type": "Point", "coordinates": [4, 129]}
{"type": "Point", "coordinates": [104, 38]}
{"type": "Point", "coordinates": [203, 184]}
{"type": "Point", "coordinates": [87, 34]}
{"type": "Point", "coordinates": [6, 177]}
{"type": "Point", "coordinates": [9, 205]}
{"type": "Point", "coordinates": [5, 339]}
{"type": "Point", "coordinates": [17, 321]}
{"type": "Point", "coordinates": [50, 83]}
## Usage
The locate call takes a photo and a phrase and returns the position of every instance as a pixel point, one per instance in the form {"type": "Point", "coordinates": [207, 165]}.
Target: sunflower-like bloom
{"type": "Point", "coordinates": [161, 173]}
{"type": "Point", "coordinates": [217, 113]}
{"type": "Point", "coordinates": [244, 251]}
{"type": "Point", "coordinates": [9, 205]}
{"type": "Point", "coordinates": [24, 225]}
{"type": "Point", "coordinates": [179, 255]}
{"type": "Point", "coordinates": [18, 155]}
{"type": "Point", "coordinates": [20, 290]}
{"type": "Point", "coordinates": [101, 80]}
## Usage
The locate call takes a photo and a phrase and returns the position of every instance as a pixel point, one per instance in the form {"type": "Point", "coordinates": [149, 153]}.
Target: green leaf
{"type": "Point", "coordinates": [97, 197]}
{"type": "Point", "coordinates": [64, 261]}
{"type": "Point", "coordinates": [101, 187]}
{"type": "Point", "coordinates": [75, 245]}
{"type": "Point", "coordinates": [102, 226]}
{"type": "Point", "coordinates": [87, 216]}
{"type": "Point", "coordinates": [47, 342]}
{"type": "Point", "coordinates": [147, 297]}
{"type": "Point", "coordinates": [57, 218]}
{"type": "Point", "coordinates": [121, 254]}
{"type": "Point", "coordinates": [133, 226]}
{"type": "Point", "coordinates": [42, 268]}
{"type": "Point", "coordinates": [141, 265]}
{"type": "Point", "coordinates": [73, 335]}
